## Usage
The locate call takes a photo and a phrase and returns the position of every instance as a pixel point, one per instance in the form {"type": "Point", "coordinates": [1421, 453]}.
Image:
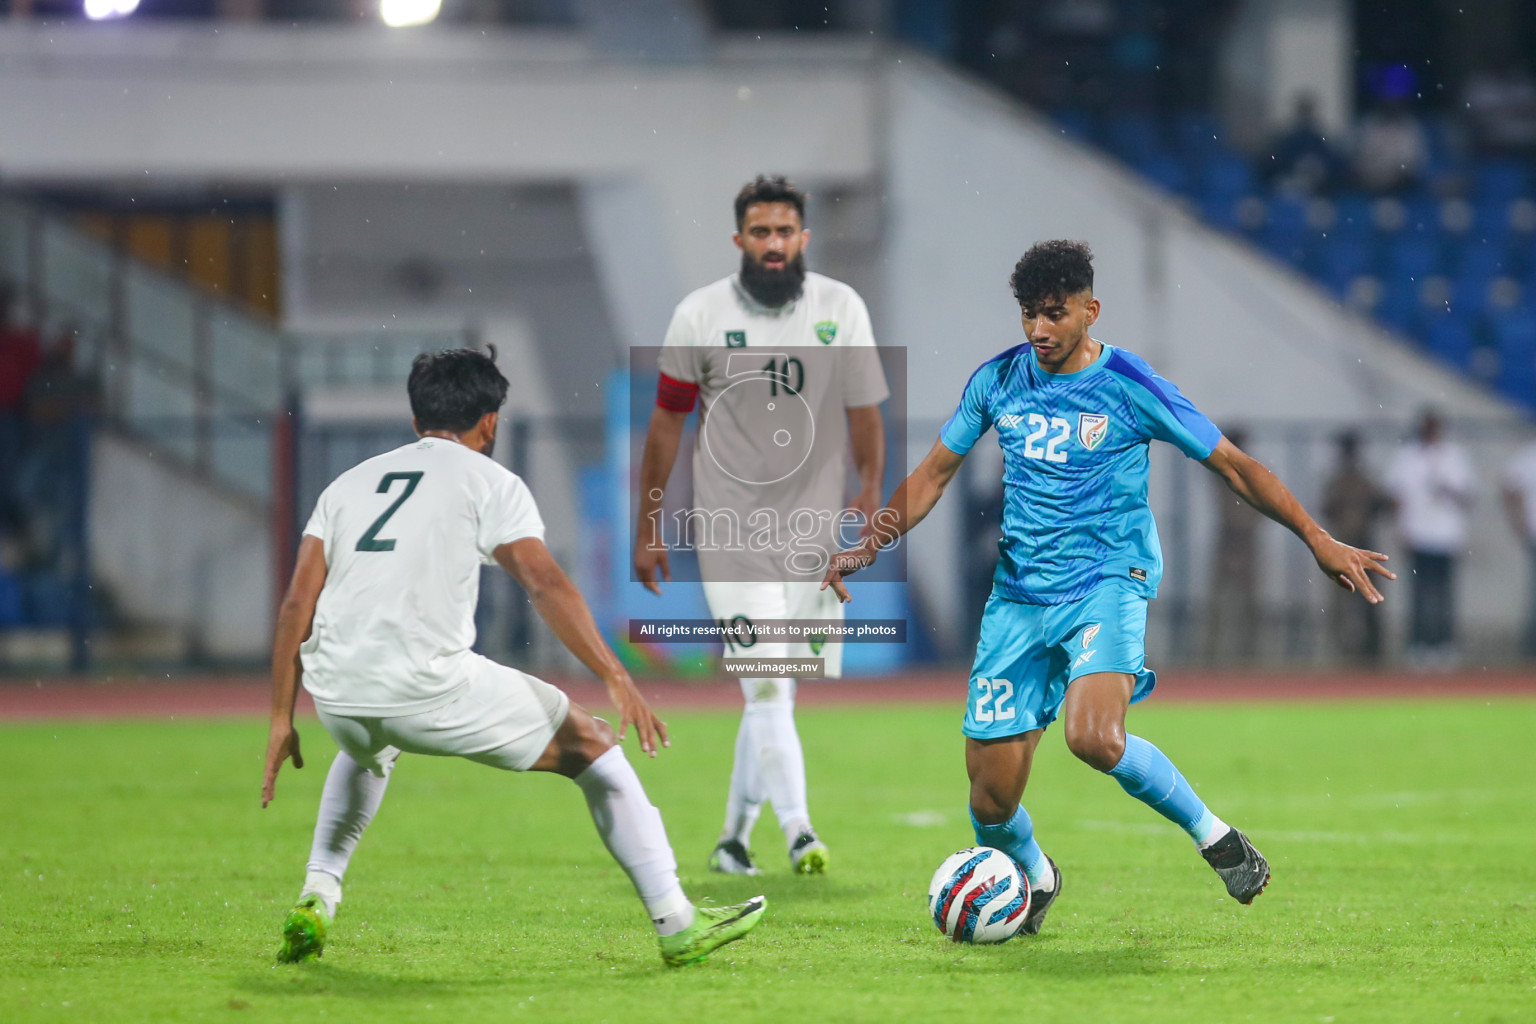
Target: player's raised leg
{"type": "Point", "coordinates": [583, 749]}
{"type": "Point", "coordinates": [1094, 720]}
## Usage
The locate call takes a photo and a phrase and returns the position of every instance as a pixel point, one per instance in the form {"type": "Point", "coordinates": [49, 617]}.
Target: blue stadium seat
{"type": "Point", "coordinates": [1450, 337]}
{"type": "Point", "coordinates": [1490, 220]}
{"type": "Point", "coordinates": [1501, 179]}
{"type": "Point", "coordinates": [11, 610]}
{"type": "Point", "coordinates": [1480, 259]}
{"type": "Point", "coordinates": [1220, 211]}
{"type": "Point", "coordinates": [1413, 255]}
{"type": "Point", "coordinates": [1197, 135]}
{"type": "Point", "coordinates": [1286, 232]}
{"type": "Point", "coordinates": [1341, 260]}
{"type": "Point", "coordinates": [1076, 124]}
{"type": "Point", "coordinates": [1514, 338]}
{"type": "Point", "coordinates": [1225, 175]}
{"type": "Point", "coordinates": [1132, 135]}
{"type": "Point", "coordinates": [47, 599]}
{"type": "Point", "coordinates": [1165, 170]}
{"type": "Point", "coordinates": [1351, 217]}
{"type": "Point", "coordinates": [1399, 308]}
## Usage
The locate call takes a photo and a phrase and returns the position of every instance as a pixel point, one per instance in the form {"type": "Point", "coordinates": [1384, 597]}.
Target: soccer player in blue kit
{"type": "Point", "coordinates": [1063, 632]}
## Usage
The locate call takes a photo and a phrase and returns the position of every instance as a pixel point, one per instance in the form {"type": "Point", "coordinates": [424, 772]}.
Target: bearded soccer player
{"type": "Point", "coordinates": [378, 622]}
{"type": "Point", "coordinates": [1063, 631]}
{"type": "Point", "coordinates": [783, 367]}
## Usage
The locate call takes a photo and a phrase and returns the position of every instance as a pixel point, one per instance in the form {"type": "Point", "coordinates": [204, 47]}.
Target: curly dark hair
{"type": "Point", "coordinates": [769, 188]}
{"type": "Point", "coordinates": [453, 389]}
{"type": "Point", "coordinates": [1053, 269]}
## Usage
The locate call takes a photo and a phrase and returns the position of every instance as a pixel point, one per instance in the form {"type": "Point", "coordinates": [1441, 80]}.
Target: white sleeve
{"type": "Point", "coordinates": [320, 518]}
{"type": "Point", "coordinates": [509, 514]}
{"type": "Point", "coordinates": [679, 349]}
{"type": "Point", "coordinates": [863, 376]}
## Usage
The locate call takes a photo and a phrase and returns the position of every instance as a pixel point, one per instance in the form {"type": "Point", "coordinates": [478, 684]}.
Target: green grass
{"type": "Point", "coordinates": [142, 882]}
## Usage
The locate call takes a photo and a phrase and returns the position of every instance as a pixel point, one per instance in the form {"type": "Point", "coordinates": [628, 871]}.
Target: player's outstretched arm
{"type": "Point", "coordinates": [561, 605]}
{"type": "Point", "coordinates": [295, 618]}
{"type": "Point", "coordinates": [910, 505]}
{"type": "Point", "coordinates": [1252, 481]}
{"type": "Point", "coordinates": [662, 438]}
{"type": "Point", "coordinates": [866, 439]}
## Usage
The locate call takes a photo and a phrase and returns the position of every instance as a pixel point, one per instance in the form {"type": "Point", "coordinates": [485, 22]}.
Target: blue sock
{"type": "Point", "coordinates": [1146, 773]}
{"type": "Point", "coordinates": [1016, 838]}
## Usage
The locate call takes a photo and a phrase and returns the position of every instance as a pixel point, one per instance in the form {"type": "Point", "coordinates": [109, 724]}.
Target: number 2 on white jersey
{"type": "Point", "coordinates": [370, 541]}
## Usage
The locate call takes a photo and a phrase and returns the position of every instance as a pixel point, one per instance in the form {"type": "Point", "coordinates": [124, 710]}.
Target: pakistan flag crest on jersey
{"type": "Point", "coordinates": [826, 330]}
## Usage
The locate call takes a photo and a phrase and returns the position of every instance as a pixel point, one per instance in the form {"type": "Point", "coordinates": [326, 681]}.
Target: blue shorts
{"type": "Point", "coordinates": [1029, 653]}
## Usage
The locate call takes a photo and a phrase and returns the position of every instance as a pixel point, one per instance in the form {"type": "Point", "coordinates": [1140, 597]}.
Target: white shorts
{"type": "Point", "coordinates": [760, 601]}
{"type": "Point", "coordinates": [501, 717]}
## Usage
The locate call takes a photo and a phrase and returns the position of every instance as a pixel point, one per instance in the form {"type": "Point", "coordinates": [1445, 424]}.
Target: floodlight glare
{"type": "Point", "coordinates": [98, 10]}
{"type": "Point", "coordinates": [403, 13]}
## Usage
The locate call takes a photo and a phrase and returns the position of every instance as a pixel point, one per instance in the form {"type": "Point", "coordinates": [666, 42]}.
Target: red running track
{"type": "Point", "coordinates": [190, 697]}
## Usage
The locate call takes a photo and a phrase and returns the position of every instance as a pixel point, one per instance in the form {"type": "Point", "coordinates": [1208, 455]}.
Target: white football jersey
{"type": "Point", "coordinates": [774, 386]}
{"type": "Point", "coordinates": [405, 535]}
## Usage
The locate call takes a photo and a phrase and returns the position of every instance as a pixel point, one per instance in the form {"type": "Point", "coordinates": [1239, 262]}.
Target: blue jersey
{"type": "Point", "coordinates": [1075, 510]}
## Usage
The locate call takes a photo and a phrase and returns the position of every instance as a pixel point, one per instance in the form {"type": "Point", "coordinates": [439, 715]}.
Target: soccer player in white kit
{"type": "Point", "coordinates": [774, 306]}
{"type": "Point", "coordinates": [378, 623]}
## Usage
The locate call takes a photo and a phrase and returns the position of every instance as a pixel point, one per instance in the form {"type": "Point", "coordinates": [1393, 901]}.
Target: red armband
{"type": "Point", "coordinates": [676, 395]}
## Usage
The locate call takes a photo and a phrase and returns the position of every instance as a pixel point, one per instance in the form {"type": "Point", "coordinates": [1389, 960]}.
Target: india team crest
{"type": "Point", "coordinates": [826, 330]}
{"type": "Point", "coordinates": [1091, 632]}
{"type": "Point", "coordinates": [1092, 428]}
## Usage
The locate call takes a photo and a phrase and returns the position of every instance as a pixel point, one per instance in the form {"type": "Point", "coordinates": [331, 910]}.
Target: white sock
{"type": "Point", "coordinates": [745, 801]}
{"type": "Point", "coordinates": [781, 760]}
{"type": "Point", "coordinates": [326, 886]}
{"type": "Point", "coordinates": [1214, 832]}
{"type": "Point", "coordinates": [348, 803]}
{"type": "Point", "coordinates": [632, 830]}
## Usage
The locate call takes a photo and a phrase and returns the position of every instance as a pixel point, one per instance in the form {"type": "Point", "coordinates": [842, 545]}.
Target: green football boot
{"type": "Point", "coordinates": [305, 930]}
{"type": "Point", "coordinates": [712, 928]}
{"type": "Point", "coordinates": [809, 855]}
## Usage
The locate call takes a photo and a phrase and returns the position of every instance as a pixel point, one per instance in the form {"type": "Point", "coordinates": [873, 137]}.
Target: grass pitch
{"type": "Point", "coordinates": [142, 882]}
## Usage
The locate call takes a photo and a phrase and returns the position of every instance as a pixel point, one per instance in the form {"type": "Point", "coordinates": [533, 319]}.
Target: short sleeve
{"type": "Point", "coordinates": [864, 381]}
{"type": "Point", "coordinates": [1162, 411]}
{"type": "Point", "coordinates": [509, 514]}
{"type": "Point", "coordinates": [974, 415]}
{"type": "Point", "coordinates": [679, 357]}
{"type": "Point", "coordinates": [320, 518]}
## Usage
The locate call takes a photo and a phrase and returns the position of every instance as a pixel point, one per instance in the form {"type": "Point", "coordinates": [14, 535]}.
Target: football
{"type": "Point", "coordinates": [978, 895]}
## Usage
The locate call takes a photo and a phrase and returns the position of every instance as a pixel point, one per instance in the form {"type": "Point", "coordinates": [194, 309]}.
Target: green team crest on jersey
{"type": "Point", "coordinates": [826, 330]}
{"type": "Point", "coordinates": [817, 642]}
{"type": "Point", "coordinates": [735, 339]}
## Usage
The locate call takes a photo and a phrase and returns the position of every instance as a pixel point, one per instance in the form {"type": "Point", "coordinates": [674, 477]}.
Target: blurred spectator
{"type": "Point", "coordinates": [19, 358]}
{"type": "Point", "coordinates": [1302, 161]}
{"type": "Point", "coordinates": [1501, 103]}
{"type": "Point", "coordinates": [1520, 506]}
{"type": "Point", "coordinates": [50, 479]}
{"type": "Point", "coordinates": [1353, 503]}
{"type": "Point", "coordinates": [1432, 485]}
{"type": "Point", "coordinates": [1391, 148]}
{"type": "Point", "coordinates": [1232, 624]}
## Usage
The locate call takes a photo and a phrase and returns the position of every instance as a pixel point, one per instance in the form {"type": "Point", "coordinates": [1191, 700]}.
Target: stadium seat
{"type": "Point", "coordinates": [1341, 260]}
{"type": "Point", "coordinates": [1514, 339]}
{"type": "Point", "coordinates": [47, 599]}
{"type": "Point", "coordinates": [1413, 256]}
{"type": "Point", "coordinates": [1286, 233]}
{"type": "Point", "coordinates": [1079, 125]}
{"type": "Point", "coordinates": [1399, 308]}
{"type": "Point", "coordinates": [1480, 259]}
{"type": "Point", "coordinates": [1450, 337]}
{"type": "Point", "coordinates": [1132, 135]}
{"type": "Point", "coordinates": [1351, 217]}
{"type": "Point", "coordinates": [1501, 179]}
{"type": "Point", "coordinates": [11, 611]}
{"type": "Point", "coordinates": [1225, 175]}
{"type": "Point", "coordinates": [1164, 170]}
{"type": "Point", "coordinates": [1197, 135]}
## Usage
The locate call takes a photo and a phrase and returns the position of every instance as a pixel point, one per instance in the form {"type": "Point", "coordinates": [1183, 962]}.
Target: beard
{"type": "Point", "coordinates": [773, 288]}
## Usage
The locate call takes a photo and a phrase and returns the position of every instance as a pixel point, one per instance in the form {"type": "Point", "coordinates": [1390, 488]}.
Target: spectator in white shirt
{"type": "Point", "coordinates": [1520, 505]}
{"type": "Point", "coordinates": [1432, 485]}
